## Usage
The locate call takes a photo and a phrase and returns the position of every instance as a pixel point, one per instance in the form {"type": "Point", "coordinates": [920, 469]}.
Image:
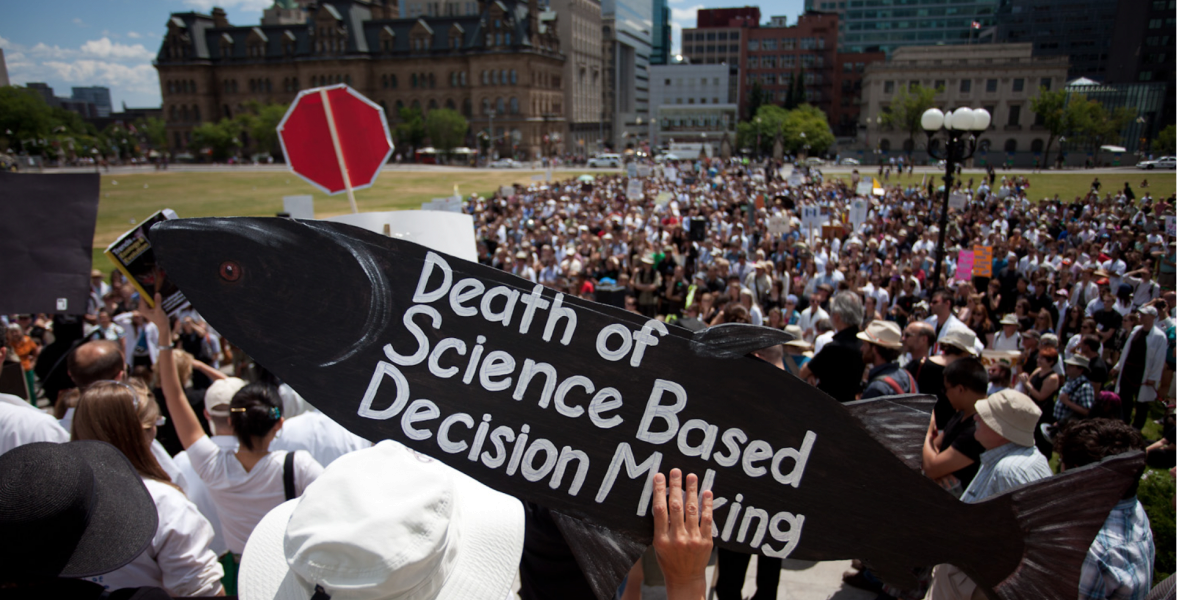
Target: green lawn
{"type": "Point", "coordinates": [126, 199]}
{"type": "Point", "coordinates": [1067, 185]}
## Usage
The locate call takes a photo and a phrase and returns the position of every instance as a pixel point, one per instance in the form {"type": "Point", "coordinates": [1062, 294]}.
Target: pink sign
{"type": "Point", "coordinates": [966, 264]}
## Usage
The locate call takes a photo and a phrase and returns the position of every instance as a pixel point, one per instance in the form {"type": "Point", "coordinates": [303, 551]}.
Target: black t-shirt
{"type": "Point", "coordinates": [548, 568]}
{"type": "Point", "coordinates": [1098, 373]}
{"type": "Point", "coordinates": [960, 435]}
{"type": "Point", "coordinates": [1108, 319]}
{"type": "Point", "coordinates": [839, 366]}
{"type": "Point", "coordinates": [930, 381]}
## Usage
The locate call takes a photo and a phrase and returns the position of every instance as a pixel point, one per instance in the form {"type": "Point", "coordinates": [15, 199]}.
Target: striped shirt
{"type": "Point", "coordinates": [1120, 560]}
{"type": "Point", "coordinates": [1080, 392]}
{"type": "Point", "coordinates": [1003, 468]}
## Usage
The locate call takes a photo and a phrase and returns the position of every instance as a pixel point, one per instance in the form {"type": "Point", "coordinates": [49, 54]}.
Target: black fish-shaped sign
{"type": "Point", "coordinates": [574, 405]}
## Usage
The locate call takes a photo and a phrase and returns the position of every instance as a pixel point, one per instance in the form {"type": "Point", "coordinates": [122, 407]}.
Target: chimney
{"type": "Point", "coordinates": [534, 22]}
{"type": "Point", "coordinates": [219, 18]}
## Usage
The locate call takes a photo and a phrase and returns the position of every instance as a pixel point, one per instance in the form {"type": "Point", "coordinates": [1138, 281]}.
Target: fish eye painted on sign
{"type": "Point", "coordinates": [575, 405]}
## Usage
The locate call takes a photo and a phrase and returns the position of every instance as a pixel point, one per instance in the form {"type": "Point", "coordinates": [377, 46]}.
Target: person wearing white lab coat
{"type": "Point", "coordinates": [1140, 366]}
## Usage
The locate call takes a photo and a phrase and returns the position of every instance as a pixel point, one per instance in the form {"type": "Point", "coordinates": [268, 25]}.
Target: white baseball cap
{"type": "Point", "coordinates": [219, 395]}
{"type": "Point", "coordinates": [387, 522]}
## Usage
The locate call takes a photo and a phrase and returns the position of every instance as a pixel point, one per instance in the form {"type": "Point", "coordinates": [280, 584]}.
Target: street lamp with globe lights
{"type": "Point", "coordinates": [963, 127]}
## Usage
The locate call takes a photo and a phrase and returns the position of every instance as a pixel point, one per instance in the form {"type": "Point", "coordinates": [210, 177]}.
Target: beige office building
{"type": "Point", "coordinates": [579, 27]}
{"type": "Point", "coordinates": [1002, 78]}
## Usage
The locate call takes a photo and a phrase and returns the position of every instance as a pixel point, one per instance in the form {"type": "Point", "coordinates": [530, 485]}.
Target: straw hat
{"type": "Point", "coordinates": [1010, 414]}
{"type": "Point", "coordinates": [387, 522]}
{"type": "Point", "coordinates": [886, 334]}
{"type": "Point", "coordinates": [1078, 360]}
{"type": "Point", "coordinates": [1009, 319]}
{"type": "Point", "coordinates": [961, 338]}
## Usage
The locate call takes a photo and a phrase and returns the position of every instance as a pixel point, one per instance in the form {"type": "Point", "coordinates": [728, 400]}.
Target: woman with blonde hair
{"type": "Point", "coordinates": [178, 558]}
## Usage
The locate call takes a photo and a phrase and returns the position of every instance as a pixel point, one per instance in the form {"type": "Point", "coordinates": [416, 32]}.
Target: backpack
{"type": "Point", "coordinates": [897, 389]}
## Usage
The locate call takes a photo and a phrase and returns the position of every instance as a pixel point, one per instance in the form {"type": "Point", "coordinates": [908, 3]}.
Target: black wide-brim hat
{"type": "Point", "coordinates": [71, 510]}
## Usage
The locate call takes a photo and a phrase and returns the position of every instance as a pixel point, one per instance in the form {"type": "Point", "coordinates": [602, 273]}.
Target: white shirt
{"type": "Point", "coordinates": [317, 434]}
{"type": "Point", "coordinates": [198, 492]}
{"type": "Point", "coordinates": [21, 423]}
{"type": "Point", "coordinates": [808, 318]}
{"type": "Point", "coordinates": [1157, 352]}
{"type": "Point", "coordinates": [151, 335]}
{"type": "Point", "coordinates": [178, 558]}
{"type": "Point", "coordinates": [822, 340]}
{"type": "Point", "coordinates": [1002, 342]}
{"type": "Point", "coordinates": [244, 497]}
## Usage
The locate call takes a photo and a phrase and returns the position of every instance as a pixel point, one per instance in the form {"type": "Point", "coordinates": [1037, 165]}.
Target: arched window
{"type": "Point", "coordinates": [454, 79]}
{"type": "Point", "coordinates": [398, 106]}
{"type": "Point", "coordinates": [483, 76]}
{"type": "Point", "coordinates": [172, 113]}
{"type": "Point", "coordinates": [908, 145]}
{"type": "Point", "coordinates": [384, 82]}
{"type": "Point", "coordinates": [268, 86]}
{"type": "Point", "coordinates": [384, 108]}
{"type": "Point", "coordinates": [393, 81]}
{"type": "Point", "coordinates": [463, 78]}
{"type": "Point", "coordinates": [499, 106]}
{"type": "Point", "coordinates": [416, 105]}
{"type": "Point", "coordinates": [196, 113]}
{"type": "Point", "coordinates": [450, 104]}
{"type": "Point", "coordinates": [251, 86]}
{"type": "Point", "coordinates": [184, 114]}
{"type": "Point", "coordinates": [348, 79]}
{"type": "Point", "coordinates": [513, 105]}
{"type": "Point", "coordinates": [192, 86]}
{"type": "Point", "coordinates": [169, 87]}
{"type": "Point", "coordinates": [503, 77]}
{"type": "Point", "coordinates": [295, 84]}
{"type": "Point", "coordinates": [432, 105]}
{"type": "Point", "coordinates": [1038, 146]}
{"type": "Point", "coordinates": [884, 145]}
{"type": "Point", "coordinates": [1010, 146]}
{"type": "Point", "coordinates": [413, 80]}
{"type": "Point", "coordinates": [487, 106]}
{"type": "Point", "coordinates": [513, 76]}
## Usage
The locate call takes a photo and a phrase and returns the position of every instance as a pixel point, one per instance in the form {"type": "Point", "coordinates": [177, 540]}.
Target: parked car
{"type": "Point", "coordinates": [506, 163]}
{"type": "Point", "coordinates": [814, 161]}
{"type": "Point", "coordinates": [850, 161]}
{"type": "Point", "coordinates": [666, 157]}
{"type": "Point", "coordinates": [1164, 162]}
{"type": "Point", "coordinates": [610, 161]}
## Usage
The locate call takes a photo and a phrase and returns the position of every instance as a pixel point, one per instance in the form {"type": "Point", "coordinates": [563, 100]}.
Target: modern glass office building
{"type": "Point", "coordinates": [631, 49]}
{"type": "Point", "coordinates": [661, 38]}
{"type": "Point", "coordinates": [882, 25]}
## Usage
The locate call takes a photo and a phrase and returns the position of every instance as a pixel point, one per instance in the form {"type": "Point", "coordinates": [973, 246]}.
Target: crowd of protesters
{"type": "Point", "coordinates": [1067, 332]}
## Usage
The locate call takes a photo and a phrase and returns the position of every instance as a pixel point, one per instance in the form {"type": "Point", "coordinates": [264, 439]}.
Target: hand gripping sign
{"type": "Point", "coordinates": [575, 405]}
{"type": "Point", "coordinates": [336, 139]}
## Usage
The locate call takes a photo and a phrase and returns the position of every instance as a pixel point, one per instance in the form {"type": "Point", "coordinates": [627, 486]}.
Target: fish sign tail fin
{"type": "Point", "coordinates": [898, 422]}
{"type": "Point", "coordinates": [604, 555]}
{"type": "Point", "coordinates": [735, 340]}
{"type": "Point", "coordinates": [1059, 518]}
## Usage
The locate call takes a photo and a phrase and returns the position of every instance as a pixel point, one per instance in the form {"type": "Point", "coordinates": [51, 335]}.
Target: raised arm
{"type": "Point", "coordinates": [210, 372]}
{"type": "Point", "coordinates": [188, 428]}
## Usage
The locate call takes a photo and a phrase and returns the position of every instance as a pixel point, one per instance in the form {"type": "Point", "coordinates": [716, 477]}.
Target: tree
{"type": "Point", "coordinates": [446, 128]}
{"type": "Point", "coordinates": [223, 138]}
{"type": "Point", "coordinates": [799, 91]}
{"type": "Point", "coordinates": [1165, 141]}
{"type": "Point", "coordinates": [764, 124]}
{"type": "Point", "coordinates": [789, 98]}
{"type": "Point", "coordinates": [1059, 114]}
{"type": "Point", "coordinates": [806, 129]}
{"type": "Point", "coordinates": [154, 130]}
{"type": "Point", "coordinates": [261, 121]}
{"type": "Point", "coordinates": [1106, 126]}
{"type": "Point", "coordinates": [411, 130]}
{"type": "Point", "coordinates": [906, 108]}
{"type": "Point", "coordinates": [755, 99]}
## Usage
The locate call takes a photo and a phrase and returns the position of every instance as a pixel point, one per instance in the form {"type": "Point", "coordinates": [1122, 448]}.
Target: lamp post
{"type": "Point", "coordinates": [758, 129]}
{"type": "Point", "coordinates": [963, 128]}
{"type": "Point", "coordinates": [1142, 138]}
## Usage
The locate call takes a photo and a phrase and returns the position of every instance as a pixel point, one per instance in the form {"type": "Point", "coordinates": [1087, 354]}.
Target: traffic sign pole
{"type": "Point", "coordinates": [336, 146]}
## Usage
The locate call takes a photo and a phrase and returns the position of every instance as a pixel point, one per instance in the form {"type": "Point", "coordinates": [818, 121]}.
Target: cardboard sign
{"type": "Point", "coordinates": [811, 216]}
{"type": "Point", "coordinates": [450, 232]}
{"type": "Point", "coordinates": [670, 173]}
{"type": "Point", "coordinates": [46, 236]}
{"type": "Point", "coordinates": [632, 170]}
{"type": "Point", "coordinates": [958, 201]}
{"type": "Point", "coordinates": [450, 204]}
{"type": "Point", "coordinates": [643, 170]}
{"type": "Point", "coordinates": [132, 254]}
{"type": "Point", "coordinates": [778, 225]}
{"type": "Point", "coordinates": [507, 191]}
{"type": "Point", "coordinates": [634, 189]}
{"type": "Point", "coordinates": [537, 177]}
{"type": "Point", "coordinates": [966, 265]}
{"type": "Point", "coordinates": [983, 261]}
{"type": "Point", "coordinates": [299, 207]}
{"type": "Point", "coordinates": [864, 187]}
{"type": "Point", "coordinates": [663, 198]}
{"type": "Point", "coordinates": [1170, 225]}
{"type": "Point", "coordinates": [575, 405]}
{"type": "Point", "coordinates": [795, 180]}
{"type": "Point", "coordinates": [858, 212]}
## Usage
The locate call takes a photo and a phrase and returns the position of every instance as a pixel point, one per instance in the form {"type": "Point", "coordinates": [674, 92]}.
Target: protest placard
{"type": "Point", "coordinates": [778, 224]}
{"type": "Point", "coordinates": [670, 173]}
{"type": "Point", "coordinates": [643, 171]}
{"type": "Point", "coordinates": [966, 265]}
{"type": "Point", "coordinates": [46, 235]}
{"type": "Point", "coordinates": [575, 405]}
{"type": "Point", "coordinates": [958, 201]}
{"type": "Point", "coordinates": [663, 198]}
{"type": "Point", "coordinates": [133, 254]}
{"type": "Point", "coordinates": [858, 212]}
{"type": "Point", "coordinates": [982, 261]}
{"type": "Point", "coordinates": [1170, 225]}
{"type": "Point", "coordinates": [632, 170]}
{"type": "Point", "coordinates": [507, 191]}
{"type": "Point", "coordinates": [634, 189]}
{"type": "Point", "coordinates": [864, 187]}
{"type": "Point", "coordinates": [299, 207]}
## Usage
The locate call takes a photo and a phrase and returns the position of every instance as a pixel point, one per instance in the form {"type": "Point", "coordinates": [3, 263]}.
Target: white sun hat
{"type": "Point", "coordinates": [386, 522]}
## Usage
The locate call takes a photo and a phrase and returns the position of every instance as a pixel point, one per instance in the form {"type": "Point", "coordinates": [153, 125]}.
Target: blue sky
{"type": "Point", "coordinates": [112, 42]}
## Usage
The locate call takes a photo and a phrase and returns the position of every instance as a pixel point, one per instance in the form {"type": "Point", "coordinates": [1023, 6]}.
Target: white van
{"type": "Point", "coordinates": [610, 161]}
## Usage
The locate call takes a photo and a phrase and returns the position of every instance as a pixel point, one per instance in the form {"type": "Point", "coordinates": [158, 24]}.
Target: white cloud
{"type": "Point", "coordinates": [133, 35]}
{"type": "Point", "coordinates": [41, 50]}
{"type": "Point", "coordinates": [105, 48]}
{"type": "Point", "coordinates": [681, 18]}
{"type": "Point", "coordinates": [243, 5]}
{"type": "Point", "coordinates": [80, 23]}
{"type": "Point", "coordinates": [133, 78]}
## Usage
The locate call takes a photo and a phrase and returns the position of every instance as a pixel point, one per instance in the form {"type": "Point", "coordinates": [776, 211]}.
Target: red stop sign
{"type": "Point", "coordinates": [362, 142]}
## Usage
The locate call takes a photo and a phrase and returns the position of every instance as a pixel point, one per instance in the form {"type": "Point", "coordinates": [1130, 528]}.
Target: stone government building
{"type": "Point", "coordinates": [498, 62]}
